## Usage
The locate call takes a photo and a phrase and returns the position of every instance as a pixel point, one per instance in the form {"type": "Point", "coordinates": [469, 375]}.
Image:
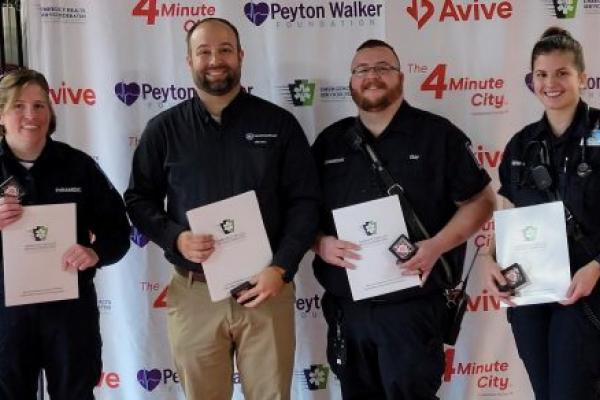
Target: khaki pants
{"type": "Point", "coordinates": [204, 336]}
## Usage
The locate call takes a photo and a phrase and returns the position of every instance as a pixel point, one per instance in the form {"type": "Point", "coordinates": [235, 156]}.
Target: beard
{"type": "Point", "coordinates": [221, 86]}
{"type": "Point", "coordinates": [379, 103]}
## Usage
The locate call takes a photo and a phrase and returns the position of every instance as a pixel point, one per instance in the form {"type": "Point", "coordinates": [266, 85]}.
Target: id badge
{"type": "Point", "coordinates": [403, 248]}
{"type": "Point", "coordinates": [11, 187]}
{"type": "Point", "coordinates": [515, 278]}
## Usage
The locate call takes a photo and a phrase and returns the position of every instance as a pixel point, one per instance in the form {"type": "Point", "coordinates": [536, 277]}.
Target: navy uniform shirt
{"type": "Point", "coordinates": [187, 157]}
{"type": "Point", "coordinates": [580, 194]}
{"type": "Point", "coordinates": [62, 174]}
{"type": "Point", "coordinates": [425, 153]}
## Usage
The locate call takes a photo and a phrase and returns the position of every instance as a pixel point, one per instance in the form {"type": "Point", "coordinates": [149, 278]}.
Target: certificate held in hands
{"type": "Point", "coordinates": [532, 242]}
{"type": "Point", "coordinates": [33, 247]}
{"type": "Point", "coordinates": [242, 247]}
{"type": "Point", "coordinates": [374, 226]}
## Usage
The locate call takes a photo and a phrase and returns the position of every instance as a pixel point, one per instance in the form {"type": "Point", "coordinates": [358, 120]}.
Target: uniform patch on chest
{"type": "Point", "coordinates": [74, 189]}
{"type": "Point", "coordinates": [261, 139]}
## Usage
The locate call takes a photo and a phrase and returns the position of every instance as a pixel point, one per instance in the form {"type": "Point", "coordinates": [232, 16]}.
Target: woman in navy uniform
{"type": "Point", "coordinates": [559, 343]}
{"type": "Point", "coordinates": [61, 337]}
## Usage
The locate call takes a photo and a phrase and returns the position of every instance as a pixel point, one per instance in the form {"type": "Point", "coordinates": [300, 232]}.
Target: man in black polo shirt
{"type": "Point", "coordinates": [390, 347]}
{"type": "Point", "coordinates": [221, 143]}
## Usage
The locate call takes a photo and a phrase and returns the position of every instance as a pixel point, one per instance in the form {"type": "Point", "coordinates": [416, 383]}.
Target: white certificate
{"type": "Point", "coordinates": [374, 225]}
{"type": "Point", "coordinates": [242, 247]}
{"type": "Point", "coordinates": [536, 238]}
{"type": "Point", "coordinates": [33, 247]}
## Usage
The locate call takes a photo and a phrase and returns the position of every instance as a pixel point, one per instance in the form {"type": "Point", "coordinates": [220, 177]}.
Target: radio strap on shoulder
{"type": "Point", "coordinates": [394, 188]}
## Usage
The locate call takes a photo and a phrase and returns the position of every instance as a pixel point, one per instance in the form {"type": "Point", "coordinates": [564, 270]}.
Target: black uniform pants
{"type": "Point", "coordinates": [61, 337]}
{"type": "Point", "coordinates": [394, 351]}
{"type": "Point", "coordinates": [560, 349]}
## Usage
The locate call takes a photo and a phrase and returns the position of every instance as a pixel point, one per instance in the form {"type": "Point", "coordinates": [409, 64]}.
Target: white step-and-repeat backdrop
{"type": "Point", "coordinates": [113, 64]}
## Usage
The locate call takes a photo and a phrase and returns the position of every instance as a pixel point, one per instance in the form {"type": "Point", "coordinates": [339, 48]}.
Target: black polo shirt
{"type": "Point", "coordinates": [580, 194]}
{"type": "Point", "coordinates": [425, 153]}
{"type": "Point", "coordinates": [191, 160]}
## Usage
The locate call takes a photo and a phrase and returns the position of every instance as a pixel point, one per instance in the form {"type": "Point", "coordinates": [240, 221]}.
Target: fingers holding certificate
{"type": "Point", "coordinates": [10, 210]}
{"type": "Point", "coordinates": [532, 245]}
{"type": "Point", "coordinates": [337, 252]}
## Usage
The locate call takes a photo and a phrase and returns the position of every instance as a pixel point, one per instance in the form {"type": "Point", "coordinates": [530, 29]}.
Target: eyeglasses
{"type": "Point", "coordinates": [379, 70]}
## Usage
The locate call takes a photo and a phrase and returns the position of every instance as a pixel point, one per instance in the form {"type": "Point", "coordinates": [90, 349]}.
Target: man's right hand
{"type": "Point", "coordinates": [336, 252]}
{"type": "Point", "coordinates": [10, 210]}
{"type": "Point", "coordinates": [195, 248]}
{"type": "Point", "coordinates": [492, 277]}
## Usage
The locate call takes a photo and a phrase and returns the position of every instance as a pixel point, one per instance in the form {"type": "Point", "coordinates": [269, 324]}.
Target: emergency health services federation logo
{"type": "Point", "coordinates": [370, 228]}
{"type": "Point", "coordinates": [40, 233]}
{"type": "Point", "coordinates": [316, 377]}
{"type": "Point", "coordinates": [300, 93]}
{"type": "Point", "coordinates": [530, 233]}
{"type": "Point", "coordinates": [562, 9]}
{"type": "Point", "coordinates": [227, 226]}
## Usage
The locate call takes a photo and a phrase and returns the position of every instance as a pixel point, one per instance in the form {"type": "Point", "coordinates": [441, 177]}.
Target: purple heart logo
{"type": "Point", "coordinates": [149, 379]}
{"type": "Point", "coordinates": [127, 92]}
{"type": "Point", "coordinates": [138, 237]}
{"type": "Point", "coordinates": [257, 13]}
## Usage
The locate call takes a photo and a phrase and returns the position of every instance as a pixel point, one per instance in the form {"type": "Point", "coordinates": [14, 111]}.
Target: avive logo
{"type": "Point", "coordinates": [459, 11]}
{"type": "Point", "coordinates": [67, 95]}
{"type": "Point", "coordinates": [109, 379]}
{"type": "Point", "coordinates": [427, 9]}
{"type": "Point", "coordinates": [489, 375]}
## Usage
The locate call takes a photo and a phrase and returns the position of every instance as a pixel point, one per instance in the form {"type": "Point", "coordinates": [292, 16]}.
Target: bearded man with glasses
{"type": "Point", "coordinates": [391, 346]}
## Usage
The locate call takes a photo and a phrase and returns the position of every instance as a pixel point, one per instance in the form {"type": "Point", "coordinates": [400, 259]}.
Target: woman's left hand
{"type": "Point", "coordinates": [583, 283]}
{"type": "Point", "coordinates": [79, 257]}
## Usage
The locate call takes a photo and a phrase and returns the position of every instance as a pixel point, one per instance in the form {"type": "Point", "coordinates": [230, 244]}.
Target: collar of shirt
{"type": "Point", "coordinates": [228, 111]}
{"type": "Point", "coordinates": [576, 130]}
{"type": "Point", "coordinates": [397, 124]}
{"type": "Point", "coordinates": [50, 152]}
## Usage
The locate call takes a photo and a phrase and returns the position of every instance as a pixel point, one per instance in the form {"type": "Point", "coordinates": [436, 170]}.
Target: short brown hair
{"type": "Point", "coordinates": [13, 82]}
{"type": "Point", "coordinates": [374, 43]}
{"type": "Point", "coordinates": [213, 19]}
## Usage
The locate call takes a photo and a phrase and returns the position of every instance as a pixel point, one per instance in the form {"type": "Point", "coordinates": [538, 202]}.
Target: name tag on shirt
{"type": "Point", "coordinates": [334, 161]}
{"type": "Point", "coordinates": [261, 139]}
{"type": "Point", "coordinates": [594, 139]}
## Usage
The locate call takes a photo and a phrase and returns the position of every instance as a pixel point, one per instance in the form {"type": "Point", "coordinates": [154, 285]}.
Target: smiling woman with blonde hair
{"type": "Point", "coordinates": [61, 337]}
